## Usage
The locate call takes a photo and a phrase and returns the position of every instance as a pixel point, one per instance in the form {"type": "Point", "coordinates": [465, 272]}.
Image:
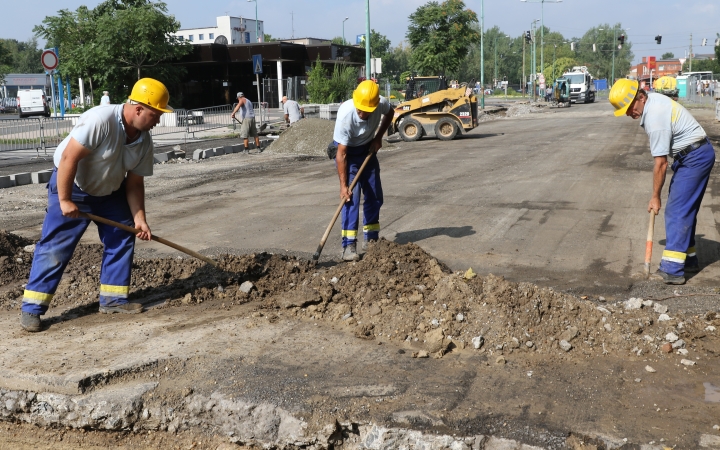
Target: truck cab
{"type": "Point", "coordinates": [32, 102]}
{"type": "Point", "coordinates": [582, 87]}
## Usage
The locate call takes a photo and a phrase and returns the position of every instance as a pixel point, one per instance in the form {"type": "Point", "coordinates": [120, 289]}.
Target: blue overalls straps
{"type": "Point", "coordinates": [687, 188]}
{"type": "Point", "coordinates": [60, 236]}
{"type": "Point", "coordinates": [371, 187]}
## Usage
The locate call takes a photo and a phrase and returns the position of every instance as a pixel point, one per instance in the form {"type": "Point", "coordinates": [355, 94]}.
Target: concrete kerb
{"type": "Point", "coordinates": [21, 179]}
{"type": "Point", "coordinates": [6, 182]}
{"type": "Point", "coordinates": [42, 176]}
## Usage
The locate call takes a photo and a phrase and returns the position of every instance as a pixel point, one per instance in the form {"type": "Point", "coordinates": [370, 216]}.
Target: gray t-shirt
{"type": "Point", "coordinates": [246, 110]}
{"type": "Point", "coordinates": [669, 125]}
{"type": "Point", "coordinates": [292, 109]}
{"type": "Point", "coordinates": [352, 131]}
{"type": "Point", "coordinates": [101, 131]}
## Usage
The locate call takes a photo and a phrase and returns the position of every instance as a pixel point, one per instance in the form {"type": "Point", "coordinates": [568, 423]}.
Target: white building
{"type": "Point", "coordinates": [229, 30]}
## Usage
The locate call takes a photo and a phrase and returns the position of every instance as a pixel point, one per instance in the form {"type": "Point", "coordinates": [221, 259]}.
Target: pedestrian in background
{"type": "Point", "coordinates": [105, 99]}
{"type": "Point", "coordinates": [247, 121]}
{"type": "Point", "coordinates": [293, 111]}
{"type": "Point", "coordinates": [672, 132]}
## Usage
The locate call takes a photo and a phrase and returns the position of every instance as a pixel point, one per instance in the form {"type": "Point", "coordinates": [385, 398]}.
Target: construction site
{"type": "Point", "coordinates": [504, 306]}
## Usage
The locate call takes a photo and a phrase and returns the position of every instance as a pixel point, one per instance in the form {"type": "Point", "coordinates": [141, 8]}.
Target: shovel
{"type": "Point", "coordinates": [319, 250]}
{"type": "Point", "coordinates": [649, 244]}
{"type": "Point", "coordinates": [135, 231]}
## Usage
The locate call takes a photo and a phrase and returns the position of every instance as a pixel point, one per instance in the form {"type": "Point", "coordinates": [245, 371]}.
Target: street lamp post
{"type": "Point", "coordinates": [614, 44]}
{"type": "Point", "coordinates": [533, 27]}
{"type": "Point", "coordinates": [257, 35]}
{"type": "Point", "coordinates": [367, 39]}
{"type": "Point", "coordinates": [542, 25]}
{"type": "Point", "coordinates": [554, 53]}
{"type": "Point", "coordinates": [343, 26]}
{"type": "Point", "coordinates": [482, 53]}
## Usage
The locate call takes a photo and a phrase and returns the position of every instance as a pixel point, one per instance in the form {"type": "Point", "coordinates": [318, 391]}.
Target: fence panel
{"type": "Point", "coordinates": [33, 133]}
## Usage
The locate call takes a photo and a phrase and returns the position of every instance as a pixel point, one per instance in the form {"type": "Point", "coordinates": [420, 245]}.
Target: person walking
{"type": "Point", "coordinates": [105, 99]}
{"type": "Point", "coordinates": [673, 132]}
{"type": "Point", "coordinates": [361, 123]}
{"type": "Point", "coordinates": [293, 111]}
{"type": "Point", "coordinates": [100, 168]}
{"type": "Point", "coordinates": [247, 121]}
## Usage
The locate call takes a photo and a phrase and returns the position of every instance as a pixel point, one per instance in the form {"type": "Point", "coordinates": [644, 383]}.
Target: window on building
{"type": "Point", "coordinates": [661, 67]}
{"type": "Point", "coordinates": [190, 38]}
{"type": "Point", "coordinates": [180, 38]}
{"type": "Point", "coordinates": [211, 36]}
{"type": "Point", "coordinates": [201, 37]}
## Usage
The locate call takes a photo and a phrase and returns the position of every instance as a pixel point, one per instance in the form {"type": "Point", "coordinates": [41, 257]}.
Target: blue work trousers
{"type": "Point", "coordinates": [60, 236]}
{"type": "Point", "coordinates": [687, 188]}
{"type": "Point", "coordinates": [369, 184]}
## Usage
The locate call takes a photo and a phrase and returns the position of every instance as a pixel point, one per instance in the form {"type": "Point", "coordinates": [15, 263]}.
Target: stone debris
{"type": "Point", "coordinates": [710, 328]}
{"type": "Point", "coordinates": [678, 344]}
{"type": "Point", "coordinates": [666, 347]}
{"type": "Point", "coordinates": [671, 337]}
{"type": "Point", "coordinates": [460, 317]}
{"type": "Point", "coordinates": [687, 362]}
{"type": "Point", "coordinates": [306, 137]}
{"type": "Point", "coordinates": [477, 342]}
{"type": "Point", "coordinates": [682, 351]}
{"type": "Point", "coordinates": [633, 303]}
{"type": "Point", "coordinates": [246, 287]}
{"type": "Point", "coordinates": [650, 369]}
{"type": "Point", "coordinates": [420, 354]}
{"type": "Point", "coordinates": [660, 308]}
{"type": "Point", "coordinates": [500, 360]}
{"type": "Point", "coordinates": [29, 248]}
{"type": "Point", "coordinates": [565, 346]}
{"type": "Point", "coordinates": [664, 318]}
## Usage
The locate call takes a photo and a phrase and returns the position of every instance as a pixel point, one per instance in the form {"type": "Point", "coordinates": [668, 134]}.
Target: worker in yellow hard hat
{"type": "Point", "coordinates": [359, 128]}
{"type": "Point", "coordinates": [100, 169]}
{"type": "Point", "coordinates": [674, 133]}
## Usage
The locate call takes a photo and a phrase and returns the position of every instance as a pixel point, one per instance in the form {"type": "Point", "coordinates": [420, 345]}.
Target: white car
{"type": "Point", "coordinates": [32, 102]}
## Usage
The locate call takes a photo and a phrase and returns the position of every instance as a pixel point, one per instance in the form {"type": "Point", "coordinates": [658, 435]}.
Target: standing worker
{"type": "Point", "coordinates": [247, 121]}
{"type": "Point", "coordinates": [672, 132]}
{"type": "Point", "coordinates": [99, 168]}
{"type": "Point", "coordinates": [105, 99]}
{"type": "Point", "coordinates": [357, 135]}
{"type": "Point", "coordinates": [293, 111]}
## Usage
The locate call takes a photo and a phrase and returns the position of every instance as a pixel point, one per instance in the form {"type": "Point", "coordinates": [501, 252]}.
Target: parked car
{"type": "Point", "coordinates": [32, 102]}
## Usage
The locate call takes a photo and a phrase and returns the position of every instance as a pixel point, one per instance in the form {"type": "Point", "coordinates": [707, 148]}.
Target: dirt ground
{"type": "Point", "coordinates": [418, 344]}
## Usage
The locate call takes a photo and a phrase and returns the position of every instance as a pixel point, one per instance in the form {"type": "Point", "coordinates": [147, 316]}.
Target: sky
{"type": "Point", "coordinates": [675, 20]}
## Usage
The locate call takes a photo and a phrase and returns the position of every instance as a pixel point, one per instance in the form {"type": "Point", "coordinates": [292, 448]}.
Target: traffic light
{"type": "Point", "coordinates": [704, 42]}
{"type": "Point", "coordinates": [658, 39]}
{"type": "Point", "coordinates": [572, 46]}
{"type": "Point", "coordinates": [528, 36]}
{"type": "Point", "coordinates": [621, 38]}
{"type": "Point", "coordinates": [594, 48]}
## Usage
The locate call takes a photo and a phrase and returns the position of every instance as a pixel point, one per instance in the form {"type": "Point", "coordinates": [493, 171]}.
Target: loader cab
{"type": "Point", "coordinates": [416, 87]}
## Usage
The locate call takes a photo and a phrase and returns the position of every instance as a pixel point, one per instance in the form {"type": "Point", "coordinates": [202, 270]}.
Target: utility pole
{"type": "Point", "coordinates": [690, 53]}
{"type": "Point", "coordinates": [612, 81]}
{"type": "Point", "coordinates": [534, 59]}
{"type": "Point", "coordinates": [482, 53]}
{"type": "Point", "coordinates": [367, 39]}
{"type": "Point", "coordinates": [524, 81]}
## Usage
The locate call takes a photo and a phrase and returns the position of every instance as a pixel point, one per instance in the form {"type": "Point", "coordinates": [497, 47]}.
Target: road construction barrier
{"type": "Point", "coordinates": [37, 133]}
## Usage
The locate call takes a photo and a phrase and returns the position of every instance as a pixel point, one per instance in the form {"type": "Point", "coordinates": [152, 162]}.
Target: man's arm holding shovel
{"type": "Point", "coordinates": [659, 172]}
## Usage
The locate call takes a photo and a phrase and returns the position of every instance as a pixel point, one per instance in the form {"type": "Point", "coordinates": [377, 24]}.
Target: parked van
{"type": "Point", "coordinates": [32, 102]}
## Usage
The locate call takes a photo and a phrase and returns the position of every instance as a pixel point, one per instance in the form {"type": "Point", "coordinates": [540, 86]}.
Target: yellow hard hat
{"type": "Point", "coordinates": [367, 96]}
{"type": "Point", "coordinates": [622, 94]}
{"type": "Point", "coordinates": [152, 93]}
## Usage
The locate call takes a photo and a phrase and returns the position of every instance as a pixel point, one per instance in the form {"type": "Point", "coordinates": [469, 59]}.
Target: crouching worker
{"type": "Point", "coordinates": [99, 169]}
{"type": "Point", "coordinates": [357, 135]}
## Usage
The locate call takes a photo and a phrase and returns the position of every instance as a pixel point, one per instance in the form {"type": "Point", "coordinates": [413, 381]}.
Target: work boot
{"type": "Point", "coordinates": [350, 253]}
{"type": "Point", "coordinates": [126, 308]}
{"type": "Point", "coordinates": [246, 151]}
{"type": "Point", "coordinates": [30, 322]}
{"type": "Point", "coordinates": [667, 278]}
{"type": "Point", "coordinates": [366, 244]}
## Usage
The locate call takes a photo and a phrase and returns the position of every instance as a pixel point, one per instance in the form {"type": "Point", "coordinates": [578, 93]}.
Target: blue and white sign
{"type": "Point", "coordinates": [360, 39]}
{"type": "Point", "coordinates": [257, 64]}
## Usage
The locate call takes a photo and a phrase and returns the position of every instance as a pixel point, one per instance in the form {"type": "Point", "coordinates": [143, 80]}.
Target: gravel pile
{"type": "Point", "coordinates": [306, 137]}
{"type": "Point", "coordinates": [521, 109]}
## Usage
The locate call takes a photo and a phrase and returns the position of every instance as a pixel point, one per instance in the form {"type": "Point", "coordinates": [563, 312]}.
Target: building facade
{"type": "Point", "coordinates": [229, 30]}
{"type": "Point", "coordinates": [662, 67]}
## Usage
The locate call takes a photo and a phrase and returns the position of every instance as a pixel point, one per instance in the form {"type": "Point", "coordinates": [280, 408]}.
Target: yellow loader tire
{"type": "Point", "coordinates": [446, 129]}
{"type": "Point", "coordinates": [410, 130]}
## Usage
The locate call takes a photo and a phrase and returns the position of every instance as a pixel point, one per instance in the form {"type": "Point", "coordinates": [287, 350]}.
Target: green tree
{"type": "Point", "coordinates": [24, 57]}
{"type": "Point", "coordinates": [668, 55]}
{"type": "Point", "coordinates": [324, 88]}
{"type": "Point", "coordinates": [440, 35]}
{"type": "Point", "coordinates": [397, 61]}
{"type": "Point", "coordinates": [701, 65]}
{"type": "Point", "coordinates": [562, 65]}
{"type": "Point", "coordinates": [268, 38]}
{"type": "Point", "coordinates": [5, 61]}
{"type": "Point", "coordinates": [379, 44]}
{"type": "Point", "coordinates": [339, 40]}
{"type": "Point", "coordinates": [116, 43]}
{"type": "Point", "coordinates": [599, 61]}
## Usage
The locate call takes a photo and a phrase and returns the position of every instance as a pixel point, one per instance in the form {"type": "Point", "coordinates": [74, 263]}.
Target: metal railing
{"type": "Point", "coordinates": [191, 121]}
{"type": "Point", "coordinates": [36, 133]}
{"type": "Point", "coordinates": [699, 91]}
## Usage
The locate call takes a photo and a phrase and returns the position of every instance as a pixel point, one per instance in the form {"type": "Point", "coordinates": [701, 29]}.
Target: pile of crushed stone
{"type": "Point", "coordinates": [306, 137]}
{"type": "Point", "coordinates": [524, 108]}
{"type": "Point", "coordinates": [14, 260]}
{"type": "Point", "coordinates": [398, 293]}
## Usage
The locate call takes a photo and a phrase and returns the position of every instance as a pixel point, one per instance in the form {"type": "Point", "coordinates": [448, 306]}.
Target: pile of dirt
{"type": "Point", "coordinates": [396, 292]}
{"type": "Point", "coordinates": [306, 137]}
{"type": "Point", "coordinates": [524, 108]}
{"type": "Point", "coordinates": [14, 260]}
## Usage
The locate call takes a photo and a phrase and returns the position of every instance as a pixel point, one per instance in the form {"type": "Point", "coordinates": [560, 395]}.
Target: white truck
{"type": "Point", "coordinates": [32, 102]}
{"type": "Point", "coordinates": [582, 87]}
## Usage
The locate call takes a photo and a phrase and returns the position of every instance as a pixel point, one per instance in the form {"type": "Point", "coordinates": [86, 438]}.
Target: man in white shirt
{"type": "Point", "coordinates": [293, 111]}
{"type": "Point", "coordinates": [105, 99]}
{"type": "Point", "coordinates": [247, 121]}
{"type": "Point", "coordinates": [361, 123]}
{"type": "Point", "coordinates": [99, 169]}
